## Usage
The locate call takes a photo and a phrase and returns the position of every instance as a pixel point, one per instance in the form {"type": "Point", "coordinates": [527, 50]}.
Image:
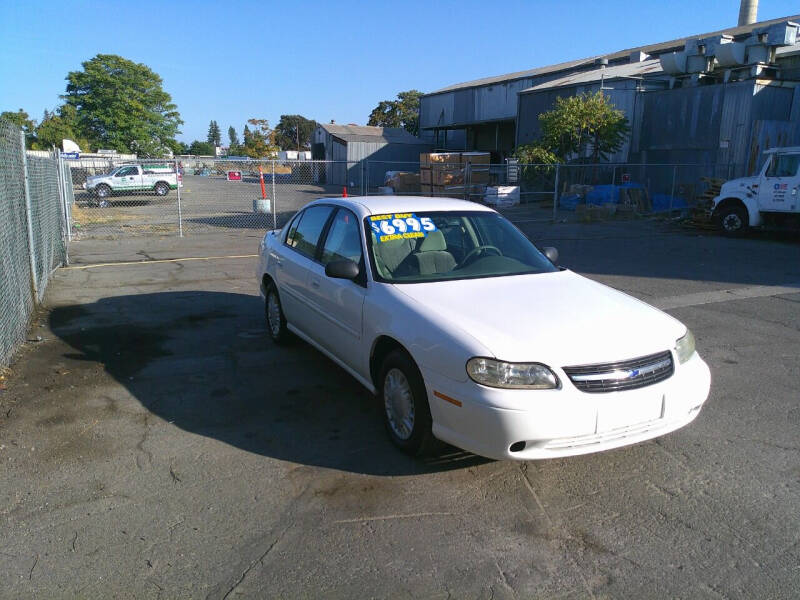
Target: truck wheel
{"type": "Point", "coordinates": [733, 220]}
{"type": "Point", "coordinates": [102, 191]}
{"type": "Point", "coordinates": [162, 189]}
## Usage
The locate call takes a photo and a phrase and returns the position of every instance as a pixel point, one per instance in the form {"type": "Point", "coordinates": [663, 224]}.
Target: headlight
{"type": "Point", "coordinates": [521, 376]}
{"type": "Point", "coordinates": [684, 347]}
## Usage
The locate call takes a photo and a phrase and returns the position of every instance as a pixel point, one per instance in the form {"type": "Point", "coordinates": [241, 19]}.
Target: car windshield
{"type": "Point", "coordinates": [439, 246]}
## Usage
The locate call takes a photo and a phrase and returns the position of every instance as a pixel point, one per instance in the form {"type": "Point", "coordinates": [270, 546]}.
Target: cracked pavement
{"type": "Point", "coordinates": [155, 444]}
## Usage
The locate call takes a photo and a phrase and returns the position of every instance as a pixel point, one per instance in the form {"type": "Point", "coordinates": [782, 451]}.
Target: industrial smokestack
{"type": "Point", "coordinates": [748, 12]}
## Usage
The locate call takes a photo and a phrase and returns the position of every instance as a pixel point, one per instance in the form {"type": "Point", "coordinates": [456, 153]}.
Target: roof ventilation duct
{"type": "Point", "coordinates": [673, 63]}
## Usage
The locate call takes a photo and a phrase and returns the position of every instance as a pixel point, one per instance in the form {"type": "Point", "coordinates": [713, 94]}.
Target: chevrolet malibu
{"type": "Point", "coordinates": [469, 334]}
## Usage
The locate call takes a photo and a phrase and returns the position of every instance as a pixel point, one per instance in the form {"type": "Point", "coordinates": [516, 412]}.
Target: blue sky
{"type": "Point", "coordinates": [231, 61]}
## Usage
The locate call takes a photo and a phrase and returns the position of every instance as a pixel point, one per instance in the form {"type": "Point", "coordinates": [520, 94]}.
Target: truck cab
{"type": "Point", "coordinates": [768, 199]}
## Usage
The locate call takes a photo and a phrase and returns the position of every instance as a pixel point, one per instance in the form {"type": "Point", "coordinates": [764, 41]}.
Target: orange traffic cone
{"type": "Point", "coordinates": [344, 192]}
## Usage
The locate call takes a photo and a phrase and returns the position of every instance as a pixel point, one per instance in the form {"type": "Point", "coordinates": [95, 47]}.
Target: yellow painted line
{"type": "Point", "coordinates": [164, 260]}
{"type": "Point", "coordinates": [446, 398]}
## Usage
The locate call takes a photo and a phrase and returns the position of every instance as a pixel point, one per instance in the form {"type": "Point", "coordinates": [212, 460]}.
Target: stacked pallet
{"type": "Point", "coordinates": [454, 173]}
{"type": "Point", "coordinates": [701, 209]}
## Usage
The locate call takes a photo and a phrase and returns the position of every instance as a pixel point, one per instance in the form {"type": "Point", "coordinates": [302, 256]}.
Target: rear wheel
{"type": "Point", "coordinates": [161, 189]}
{"type": "Point", "coordinates": [406, 412]}
{"type": "Point", "coordinates": [733, 220]}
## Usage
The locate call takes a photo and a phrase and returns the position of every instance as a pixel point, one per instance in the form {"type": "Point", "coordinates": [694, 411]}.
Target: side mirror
{"type": "Point", "coordinates": [342, 269]}
{"type": "Point", "coordinates": [551, 254]}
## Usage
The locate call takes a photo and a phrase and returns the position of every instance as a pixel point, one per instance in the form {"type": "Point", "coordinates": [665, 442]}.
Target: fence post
{"type": "Point", "coordinates": [672, 193]}
{"type": "Point", "coordinates": [555, 196]}
{"type": "Point", "coordinates": [178, 181]}
{"type": "Point", "coordinates": [274, 199]}
{"type": "Point", "coordinates": [56, 156]}
{"type": "Point", "coordinates": [366, 191]}
{"type": "Point", "coordinates": [65, 176]}
{"type": "Point", "coordinates": [28, 217]}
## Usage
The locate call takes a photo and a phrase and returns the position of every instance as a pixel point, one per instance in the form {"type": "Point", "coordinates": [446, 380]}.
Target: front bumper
{"type": "Point", "coordinates": [563, 422]}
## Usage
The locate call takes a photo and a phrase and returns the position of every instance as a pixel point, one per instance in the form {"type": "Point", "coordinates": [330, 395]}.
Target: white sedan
{"type": "Point", "coordinates": [470, 335]}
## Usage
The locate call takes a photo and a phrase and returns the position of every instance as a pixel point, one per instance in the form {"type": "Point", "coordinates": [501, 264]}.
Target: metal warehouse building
{"type": "Point", "coordinates": [381, 148]}
{"type": "Point", "coordinates": [716, 98]}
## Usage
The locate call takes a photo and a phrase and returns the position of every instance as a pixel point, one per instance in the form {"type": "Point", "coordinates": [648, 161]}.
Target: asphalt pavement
{"type": "Point", "coordinates": [155, 444]}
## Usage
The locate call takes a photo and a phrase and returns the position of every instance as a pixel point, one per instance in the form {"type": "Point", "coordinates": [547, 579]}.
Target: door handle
{"type": "Point", "coordinates": [315, 283]}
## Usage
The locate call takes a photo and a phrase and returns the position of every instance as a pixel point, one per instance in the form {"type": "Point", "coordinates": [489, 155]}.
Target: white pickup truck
{"type": "Point", "coordinates": [157, 178]}
{"type": "Point", "coordinates": [770, 199]}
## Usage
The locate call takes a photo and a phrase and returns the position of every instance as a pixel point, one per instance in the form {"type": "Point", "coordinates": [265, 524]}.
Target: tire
{"type": "Point", "coordinates": [273, 314]}
{"type": "Point", "coordinates": [102, 191]}
{"type": "Point", "coordinates": [406, 413]}
{"type": "Point", "coordinates": [733, 220]}
{"type": "Point", "coordinates": [161, 189]}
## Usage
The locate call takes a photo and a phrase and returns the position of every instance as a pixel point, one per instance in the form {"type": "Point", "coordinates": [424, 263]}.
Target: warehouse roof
{"type": "Point", "coordinates": [659, 48]}
{"type": "Point", "coordinates": [624, 71]}
{"type": "Point", "coordinates": [367, 133]}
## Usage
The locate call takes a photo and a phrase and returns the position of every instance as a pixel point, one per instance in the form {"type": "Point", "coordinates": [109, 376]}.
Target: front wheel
{"type": "Point", "coordinates": [273, 312]}
{"type": "Point", "coordinates": [733, 220]}
{"type": "Point", "coordinates": [102, 192]}
{"type": "Point", "coordinates": [407, 415]}
{"type": "Point", "coordinates": [161, 189]}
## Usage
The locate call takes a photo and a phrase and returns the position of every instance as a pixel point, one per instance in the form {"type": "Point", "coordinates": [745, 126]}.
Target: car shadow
{"type": "Point", "coordinates": [202, 361]}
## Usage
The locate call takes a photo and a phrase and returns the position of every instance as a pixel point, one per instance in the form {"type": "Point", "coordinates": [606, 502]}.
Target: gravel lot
{"type": "Point", "coordinates": [155, 444]}
{"type": "Point", "coordinates": [207, 204]}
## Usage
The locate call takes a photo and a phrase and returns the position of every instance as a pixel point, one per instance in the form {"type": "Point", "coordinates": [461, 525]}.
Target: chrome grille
{"type": "Point", "coordinates": [623, 375]}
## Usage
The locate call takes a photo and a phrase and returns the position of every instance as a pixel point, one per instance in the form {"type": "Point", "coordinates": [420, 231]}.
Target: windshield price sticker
{"type": "Point", "coordinates": [400, 226]}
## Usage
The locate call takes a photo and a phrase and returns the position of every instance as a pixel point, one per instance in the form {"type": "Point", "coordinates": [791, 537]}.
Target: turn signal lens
{"type": "Point", "coordinates": [684, 347]}
{"type": "Point", "coordinates": [499, 374]}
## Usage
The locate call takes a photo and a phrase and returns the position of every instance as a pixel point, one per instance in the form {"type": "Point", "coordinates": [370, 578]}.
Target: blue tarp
{"type": "Point", "coordinates": [661, 203]}
{"type": "Point", "coordinates": [599, 195]}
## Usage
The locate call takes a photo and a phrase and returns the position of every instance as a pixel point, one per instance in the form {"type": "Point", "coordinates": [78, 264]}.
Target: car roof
{"type": "Point", "coordinates": [371, 205]}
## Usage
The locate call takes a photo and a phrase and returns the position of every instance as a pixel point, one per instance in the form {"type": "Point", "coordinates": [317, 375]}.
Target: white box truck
{"type": "Point", "coordinates": [770, 199]}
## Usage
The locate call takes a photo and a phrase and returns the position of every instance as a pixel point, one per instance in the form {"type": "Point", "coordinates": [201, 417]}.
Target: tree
{"type": "Point", "coordinates": [234, 147]}
{"type": "Point", "coordinates": [120, 104]}
{"type": "Point", "coordinates": [403, 112]}
{"type": "Point", "coordinates": [259, 143]}
{"type": "Point", "coordinates": [294, 131]}
{"type": "Point", "coordinates": [22, 120]}
{"type": "Point", "coordinates": [232, 137]}
{"type": "Point", "coordinates": [214, 135]}
{"type": "Point", "coordinates": [57, 126]}
{"type": "Point", "coordinates": [582, 126]}
{"type": "Point", "coordinates": [198, 148]}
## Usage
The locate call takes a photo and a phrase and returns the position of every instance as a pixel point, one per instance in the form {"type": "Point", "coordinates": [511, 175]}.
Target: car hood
{"type": "Point", "coordinates": [559, 318]}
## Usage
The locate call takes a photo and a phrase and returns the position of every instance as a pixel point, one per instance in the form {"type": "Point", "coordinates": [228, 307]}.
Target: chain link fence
{"type": "Point", "coordinates": [32, 242]}
{"type": "Point", "coordinates": [231, 194]}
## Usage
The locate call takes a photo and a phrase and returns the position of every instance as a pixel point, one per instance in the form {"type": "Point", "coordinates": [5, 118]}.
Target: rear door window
{"type": "Point", "coordinates": [306, 234]}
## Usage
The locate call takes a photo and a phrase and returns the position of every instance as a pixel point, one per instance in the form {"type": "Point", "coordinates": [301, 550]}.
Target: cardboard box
{"type": "Point", "coordinates": [476, 158]}
{"type": "Point", "coordinates": [479, 176]}
{"type": "Point", "coordinates": [448, 177]}
{"type": "Point", "coordinates": [441, 158]}
{"type": "Point", "coordinates": [425, 175]}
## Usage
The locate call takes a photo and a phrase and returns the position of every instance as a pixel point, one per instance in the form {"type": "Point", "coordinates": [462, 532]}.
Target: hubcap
{"type": "Point", "coordinates": [274, 314]}
{"type": "Point", "coordinates": [732, 222]}
{"type": "Point", "coordinates": [398, 401]}
{"type": "Point", "coordinates": [102, 192]}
